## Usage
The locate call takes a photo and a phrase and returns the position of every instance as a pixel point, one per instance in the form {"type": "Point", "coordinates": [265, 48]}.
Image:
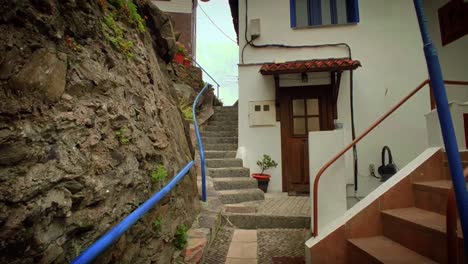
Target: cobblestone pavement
{"type": "Point", "coordinates": [220, 246]}
{"type": "Point", "coordinates": [282, 204]}
{"type": "Point", "coordinates": [280, 243]}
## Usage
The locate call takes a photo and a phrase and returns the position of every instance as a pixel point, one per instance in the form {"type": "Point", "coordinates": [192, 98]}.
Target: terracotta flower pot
{"type": "Point", "coordinates": [179, 58]}
{"type": "Point", "coordinates": [262, 181]}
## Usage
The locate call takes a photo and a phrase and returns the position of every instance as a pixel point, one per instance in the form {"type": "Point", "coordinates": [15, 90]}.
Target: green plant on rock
{"type": "Point", "coordinates": [187, 112]}
{"type": "Point", "coordinates": [120, 134]}
{"type": "Point", "coordinates": [180, 237]}
{"type": "Point", "coordinates": [130, 10]}
{"type": "Point", "coordinates": [159, 173]}
{"type": "Point", "coordinates": [157, 225]}
{"type": "Point", "coordinates": [114, 33]}
{"type": "Point", "coordinates": [266, 163]}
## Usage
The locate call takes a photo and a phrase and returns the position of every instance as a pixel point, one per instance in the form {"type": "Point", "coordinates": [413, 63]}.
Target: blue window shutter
{"type": "Point", "coordinates": [292, 12]}
{"type": "Point", "coordinates": [352, 7]}
{"type": "Point", "coordinates": [333, 12]}
{"type": "Point", "coordinates": [315, 12]}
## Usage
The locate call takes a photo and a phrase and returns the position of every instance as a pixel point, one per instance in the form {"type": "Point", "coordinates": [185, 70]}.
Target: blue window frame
{"type": "Point", "coordinates": [323, 12]}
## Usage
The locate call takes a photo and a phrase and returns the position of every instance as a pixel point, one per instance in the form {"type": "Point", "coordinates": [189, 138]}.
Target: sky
{"type": "Point", "coordinates": [216, 53]}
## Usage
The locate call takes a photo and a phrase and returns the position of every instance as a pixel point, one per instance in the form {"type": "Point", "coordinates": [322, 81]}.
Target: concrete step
{"type": "Point", "coordinates": [223, 122]}
{"type": "Point", "coordinates": [234, 183]}
{"type": "Point", "coordinates": [217, 140]}
{"type": "Point", "coordinates": [223, 109]}
{"type": "Point", "coordinates": [225, 147]}
{"type": "Point", "coordinates": [217, 154]}
{"type": "Point", "coordinates": [219, 133]}
{"type": "Point", "coordinates": [223, 163]}
{"type": "Point", "coordinates": [225, 117]}
{"type": "Point", "coordinates": [228, 172]}
{"type": "Point", "coordinates": [255, 221]}
{"type": "Point", "coordinates": [220, 128]}
{"type": "Point", "coordinates": [241, 195]}
{"type": "Point", "coordinates": [380, 249]}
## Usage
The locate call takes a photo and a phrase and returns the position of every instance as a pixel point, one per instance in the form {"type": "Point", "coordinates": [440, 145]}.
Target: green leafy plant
{"type": "Point", "coordinates": [129, 9]}
{"type": "Point", "coordinates": [266, 163]}
{"type": "Point", "coordinates": [114, 33]}
{"type": "Point", "coordinates": [181, 48]}
{"type": "Point", "coordinates": [180, 237]}
{"type": "Point", "coordinates": [157, 225]}
{"type": "Point", "coordinates": [159, 173]}
{"type": "Point", "coordinates": [187, 112]}
{"type": "Point", "coordinates": [121, 136]}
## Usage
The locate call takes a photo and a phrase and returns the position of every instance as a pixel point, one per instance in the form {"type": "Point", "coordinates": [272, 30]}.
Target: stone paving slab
{"type": "Point", "coordinates": [243, 247]}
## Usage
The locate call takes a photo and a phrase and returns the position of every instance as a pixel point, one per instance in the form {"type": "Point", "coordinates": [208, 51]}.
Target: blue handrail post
{"type": "Point", "coordinates": [199, 141]}
{"type": "Point", "coordinates": [445, 119]}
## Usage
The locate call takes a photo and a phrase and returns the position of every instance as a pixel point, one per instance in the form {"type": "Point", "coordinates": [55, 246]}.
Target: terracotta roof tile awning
{"type": "Point", "coordinates": [322, 65]}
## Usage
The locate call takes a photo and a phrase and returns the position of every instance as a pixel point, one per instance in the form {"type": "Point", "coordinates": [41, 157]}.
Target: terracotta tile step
{"type": "Point", "coordinates": [432, 195]}
{"type": "Point", "coordinates": [419, 230]}
{"type": "Point", "coordinates": [420, 219]}
{"type": "Point", "coordinates": [382, 250]}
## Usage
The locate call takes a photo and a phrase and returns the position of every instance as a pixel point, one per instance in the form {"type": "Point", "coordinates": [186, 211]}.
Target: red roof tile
{"type": "Point", "coordinates": [309, 66]}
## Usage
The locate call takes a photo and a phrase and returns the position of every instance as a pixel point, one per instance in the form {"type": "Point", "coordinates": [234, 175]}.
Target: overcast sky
{"type": "Point", "coordinates": [216, 53]}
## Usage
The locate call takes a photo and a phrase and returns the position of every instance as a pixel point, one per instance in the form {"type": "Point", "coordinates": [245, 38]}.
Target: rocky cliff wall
{"type": "Point", "coordinates": [87, 115]}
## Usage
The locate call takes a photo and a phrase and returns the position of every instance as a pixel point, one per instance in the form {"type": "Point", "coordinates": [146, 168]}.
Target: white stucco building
{"type": "Point", "coordinates": [287, 92]}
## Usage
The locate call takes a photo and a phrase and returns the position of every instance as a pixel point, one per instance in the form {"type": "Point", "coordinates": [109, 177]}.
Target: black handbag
{"type": "Point", "coordinates": [387, 170]}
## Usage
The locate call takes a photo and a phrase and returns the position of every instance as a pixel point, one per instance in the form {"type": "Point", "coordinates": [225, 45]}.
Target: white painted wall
{"type": "Point", "coordinates": [175, 6]}
{"type": "Point", "coordinates": [332, 185]}
{"type": "Point", "coordinates": [256, 141]}
{"type": "Point", "coordinates": [386, 41]}
{"type": "Point", "coordinates": [433, 127]}
{"type": "Point", "coordinates": [453, 57]}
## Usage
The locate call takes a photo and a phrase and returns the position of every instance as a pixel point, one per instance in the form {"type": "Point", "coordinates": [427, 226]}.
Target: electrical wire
{"type": "Point", "coordinates": [214, 24]}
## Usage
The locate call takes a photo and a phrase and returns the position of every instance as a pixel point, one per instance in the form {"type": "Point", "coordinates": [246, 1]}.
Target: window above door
{"type": "Point", "coordinates": [305, 13]}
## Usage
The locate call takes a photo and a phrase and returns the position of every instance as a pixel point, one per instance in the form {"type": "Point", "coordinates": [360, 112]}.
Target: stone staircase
{"type": "Point", "coordinates": [232, 181]}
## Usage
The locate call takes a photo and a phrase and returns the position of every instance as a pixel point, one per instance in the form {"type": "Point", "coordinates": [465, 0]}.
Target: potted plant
{"type": "Point", "coordinates": [263, 179]}
{"type": "Point", "coordinates": [187, 62]}
{"type": "Point", "coordinates": [179, 57]}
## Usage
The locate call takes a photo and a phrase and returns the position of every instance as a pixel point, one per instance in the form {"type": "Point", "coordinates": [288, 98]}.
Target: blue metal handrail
{"type": "Point", "coordinates": [110, 237]}
{"type": "Point", "coordinates": [445, 119]}
{"type": "Point", "coordinates": [211, 77]}
{"type": "Point", "coordinates": [199, 141]}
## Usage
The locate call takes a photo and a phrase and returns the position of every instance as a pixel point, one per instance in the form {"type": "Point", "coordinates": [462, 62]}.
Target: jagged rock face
{"type": "Point", "coordinates": [82, 126]}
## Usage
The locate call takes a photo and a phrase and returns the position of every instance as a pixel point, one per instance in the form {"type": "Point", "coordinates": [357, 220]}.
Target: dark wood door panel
{"type": "Point", "coordinates": [298, 116]}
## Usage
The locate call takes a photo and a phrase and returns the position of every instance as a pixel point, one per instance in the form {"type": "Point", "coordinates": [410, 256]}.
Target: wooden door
{"type": "Point", "coordinates": [301, 112]}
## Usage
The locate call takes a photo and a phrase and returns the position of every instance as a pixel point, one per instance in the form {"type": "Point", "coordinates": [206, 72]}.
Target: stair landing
{"type": "Point", "coordinates": [278, 210]}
